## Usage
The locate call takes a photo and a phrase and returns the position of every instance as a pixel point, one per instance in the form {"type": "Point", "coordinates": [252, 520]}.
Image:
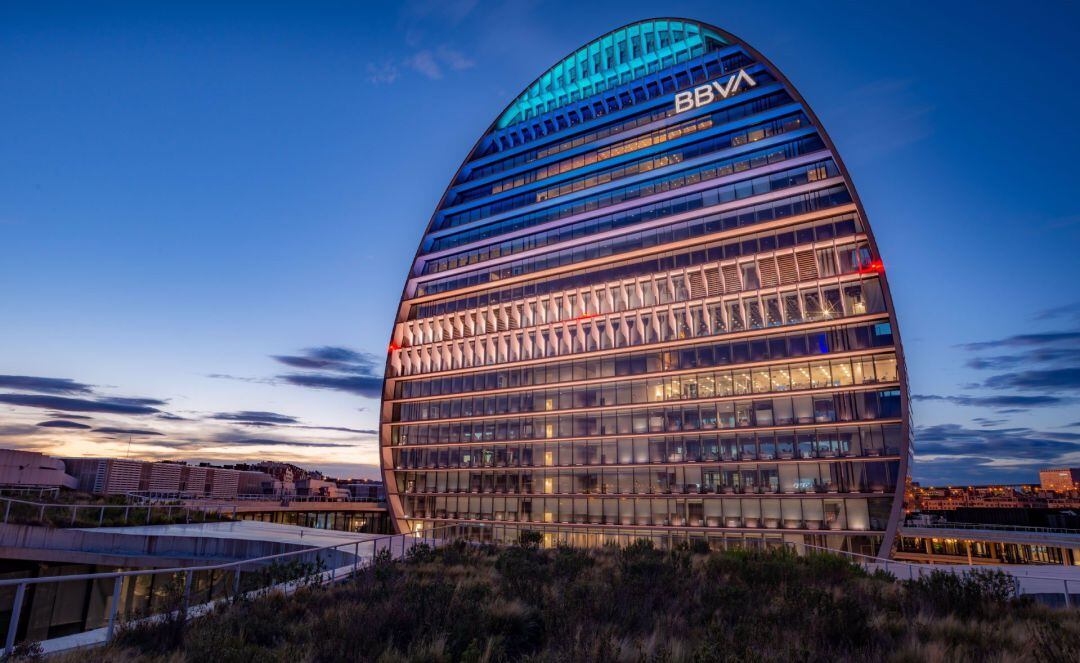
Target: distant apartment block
{"type": "Point", "coordinates": [115, 476]}
{"type": "Point", "coordinates": [1060, 479]}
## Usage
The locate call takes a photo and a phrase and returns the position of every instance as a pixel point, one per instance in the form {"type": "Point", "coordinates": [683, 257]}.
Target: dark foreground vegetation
{"type": "Point", "coordinates": [464, 603]}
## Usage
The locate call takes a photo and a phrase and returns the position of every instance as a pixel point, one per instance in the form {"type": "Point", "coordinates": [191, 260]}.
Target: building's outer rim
{"type": "Point", "coordinates": [889, 536]}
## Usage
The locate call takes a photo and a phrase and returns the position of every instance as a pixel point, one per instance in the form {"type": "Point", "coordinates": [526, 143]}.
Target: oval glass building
{"type": "Point", "coordinates": [649, 305]}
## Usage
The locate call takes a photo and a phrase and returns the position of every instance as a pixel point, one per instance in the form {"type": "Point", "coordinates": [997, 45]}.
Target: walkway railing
{"type": "Point", "coordinates": [360, 555]}
{"type": "Point", "coordinates": [357, 555]}
{"type": "Point", "coordinates": [24, 512]}
{"type": "Point", "coordinates": [39, 491]}
{"type": "Point", "coordinates": [158, 496]}
{"type": "Point", "coordinates": [991, 527]}
{"type": "Point", "coordinates": [1027, 581]}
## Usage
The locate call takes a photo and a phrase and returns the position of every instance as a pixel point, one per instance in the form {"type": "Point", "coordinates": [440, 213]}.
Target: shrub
{"type": "Point", "coordinates": [978, 592]}
{"type": "Point", "coordinates": [420, 553]}
{"type": "Point", "coordinates": [468, 603]}
{"type": "Point", "coordinates": [530, 539]}
{"type": "Point", "coordinates": [25, 652]}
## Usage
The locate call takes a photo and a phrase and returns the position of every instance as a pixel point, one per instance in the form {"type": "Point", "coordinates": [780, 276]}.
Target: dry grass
{"type": "Point", "coordinates": [638, 604]}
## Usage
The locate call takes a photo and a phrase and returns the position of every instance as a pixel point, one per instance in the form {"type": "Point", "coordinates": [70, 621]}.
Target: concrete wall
{"type": "Point", "coordinates": [29, 468]}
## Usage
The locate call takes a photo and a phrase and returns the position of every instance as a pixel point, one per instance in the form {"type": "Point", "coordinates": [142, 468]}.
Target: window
{"type": "Point", "coordinates": [826, 260]}
{"type": "Point", "coordinates": [750, 276]}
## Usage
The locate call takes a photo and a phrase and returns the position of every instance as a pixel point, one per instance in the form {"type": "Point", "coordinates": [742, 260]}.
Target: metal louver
{"type": "Point", "coordinates": [807, 264]}
{"type": "Point", "coordinates": [767, 272]}
{"type": "Point", "coordinates": [731, 278]}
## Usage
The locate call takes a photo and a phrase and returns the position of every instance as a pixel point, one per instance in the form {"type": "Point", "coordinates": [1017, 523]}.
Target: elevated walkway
{"type": "Point", "coordinates": [1037, 536]}
{"type": "Point", "coordinates": [164, 546]}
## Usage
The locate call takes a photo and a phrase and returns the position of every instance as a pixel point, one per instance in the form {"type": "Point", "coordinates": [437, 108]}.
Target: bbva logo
{"type": "Point", "coordinates": [706, 94]}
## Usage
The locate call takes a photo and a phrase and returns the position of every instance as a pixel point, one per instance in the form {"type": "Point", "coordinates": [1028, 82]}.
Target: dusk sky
{"type": "Point", "coordinates": [207, 210]}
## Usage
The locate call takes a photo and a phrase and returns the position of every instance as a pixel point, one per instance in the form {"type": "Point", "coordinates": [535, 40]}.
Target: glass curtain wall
{"type": "Point", "coordinates": [650, 305]}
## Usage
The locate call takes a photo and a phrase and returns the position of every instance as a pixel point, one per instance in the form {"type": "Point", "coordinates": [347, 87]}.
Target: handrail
{"type": "Point", "coordinates": [920, 570]}
{"type": "Point", "coordinates": [420, 535]}
{"type": "Point", "coordinates": [41, 507]}
{"type": "Point", "coordinates": [80, 505]}
{"type": "Point", "coordinates": [21, 584]}
{"type": "Point", "coordinates": [144, 496]}
{"type": "Point", "coordinates": [995, 527]}
{"type": "Point", "coordinates": [423, 536]}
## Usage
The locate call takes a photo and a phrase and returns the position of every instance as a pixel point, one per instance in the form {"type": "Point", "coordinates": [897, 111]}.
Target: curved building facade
{"type": "Point", "coordinates": [649, 305]}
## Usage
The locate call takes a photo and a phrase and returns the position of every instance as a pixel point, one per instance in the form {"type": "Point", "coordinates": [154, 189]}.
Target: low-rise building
{"type": "Point", "coordinates": [30, 469]}
{"type": "Point", "coordinates": [366, 490]}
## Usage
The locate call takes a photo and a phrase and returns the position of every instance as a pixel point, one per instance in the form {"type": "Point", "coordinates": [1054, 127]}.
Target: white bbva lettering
{"type": "Point", "coordinates": [703, 95]}
{"type": "Point", "coordinates": [706, 94]}
{"type": "Point", "coordinates": [725, 90]}
{"type": "Point", "coordinates": [684, 101]}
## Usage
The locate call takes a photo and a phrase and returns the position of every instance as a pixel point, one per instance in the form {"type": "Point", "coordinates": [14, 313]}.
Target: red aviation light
{"type": "Point", "coordinates": [585, 316]}
{"type": "Point", "coordinates": [872, 267]}
{"type": "Point", "coordinates": [393, 347]}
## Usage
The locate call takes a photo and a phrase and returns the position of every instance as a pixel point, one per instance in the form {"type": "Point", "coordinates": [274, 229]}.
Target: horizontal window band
{"type": "Point", "coordinates": [619, 436]}
{"type": "Point", "coordinates": [702, 464]}
{"type": "Point", "coordinates": [686, 372]}
{"type": "Point", "coordinates": [662, 345]}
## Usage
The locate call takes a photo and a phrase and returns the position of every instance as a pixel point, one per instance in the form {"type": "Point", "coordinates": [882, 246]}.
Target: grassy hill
{"type": "Point", "coordinates": [635, 604]}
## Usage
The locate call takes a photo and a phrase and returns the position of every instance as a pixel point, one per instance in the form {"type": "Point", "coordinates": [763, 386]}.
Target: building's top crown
{"type": "Point", "coordinates": [619, 56]}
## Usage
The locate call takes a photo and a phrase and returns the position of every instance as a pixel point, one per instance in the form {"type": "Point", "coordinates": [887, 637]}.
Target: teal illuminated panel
{"type": "Point", "coordinates": [615, 58]}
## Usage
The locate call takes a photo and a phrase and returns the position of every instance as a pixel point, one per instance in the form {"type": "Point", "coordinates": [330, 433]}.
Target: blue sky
{"type": "Point", "coordinates": [207, 209]}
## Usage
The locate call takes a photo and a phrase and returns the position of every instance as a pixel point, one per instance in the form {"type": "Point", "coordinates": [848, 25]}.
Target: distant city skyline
{"type": "Point", "coordinates": [203, 217]}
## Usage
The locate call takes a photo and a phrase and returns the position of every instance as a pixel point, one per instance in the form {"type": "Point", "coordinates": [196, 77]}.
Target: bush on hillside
{"type": "Point", "coordinates": [640, 603]}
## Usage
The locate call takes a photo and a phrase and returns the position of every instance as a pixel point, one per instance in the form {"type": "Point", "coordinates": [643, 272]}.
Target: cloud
{"type": "Point", "coordinates": [368, 387]}
{"type": "Point", "coordinates": [340, 429]}
{"type": "Point", "coordinates": [1034, 356]}
{"type": "Point", "coordinates": [331, 357]}
{"type": "Point", "coordinates": [454, 59]}
{"type": "Point", "coordinates": [1002, 401]}
{"type": "Point", "coordinates": [382, 73]}
{"type": "Point", "coordinates": [423, 27]}
{"type": "Point", "coordinates": [274, 419]}
{"type": "Point", "coordinates": [43, 385]}
{"type": "Point", "coordinates": [1043, 362]}
{"type": "Point", "coordinates": [61, 409]}
{"type": "Point", "coordinates": [265, 442]}
{"type": "Point", "coordinates": [1054, 380]}
{"type": "Point", "coordinates": [243, 440]}
{"type": "Point", "coordinates": [137, 401]}
{"type": "Point", "coordinates": [1066, 311]}
{"type": "Point", "coordinates": [1025, 340]}
{"type": "Point", "coordinates": [255, 418]}
{"type": "Point", "coordinates": [951, 453]}
{"type": "Point", "coordinates": [240, 378]}
{"type": "Point", "coordinates": [984, 421]}
{"type": "Point", "coordinates": [432, 63]}
{"type": "Point", "coordinates": [61, 423]}
{"type": "Point", "coordinates": [424, 62]}
{"type": "Point", "coordinates": [125, 431]}
{"type": "Point", "coordinates": [16, 430]}
{"type": "Point", "coordinates": [998, 443]}
{"type": "Point", "coordinates": [335, 368]}
{"type": "Point", "coordinates": [64, 404]}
